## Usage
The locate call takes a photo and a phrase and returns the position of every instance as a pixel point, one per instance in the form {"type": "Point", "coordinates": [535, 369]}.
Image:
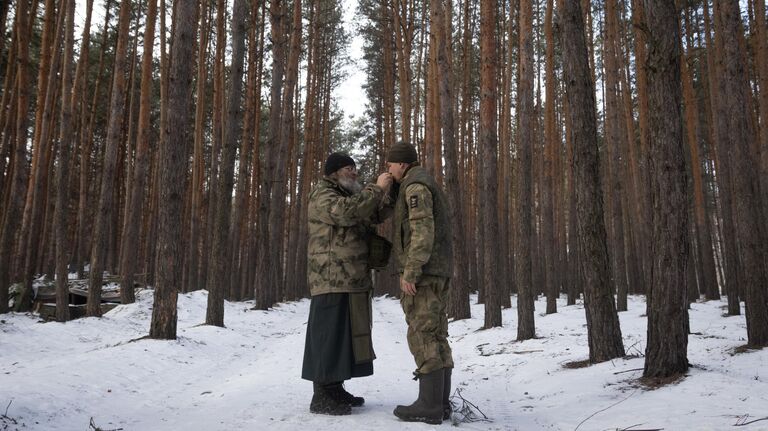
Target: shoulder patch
{"type": "Point", "coordinates": [413, 201]}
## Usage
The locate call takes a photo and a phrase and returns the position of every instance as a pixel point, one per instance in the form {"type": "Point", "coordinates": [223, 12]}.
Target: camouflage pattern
{"type": "Point", "coordinates": [339, 225]}
{"type": "Point", "coordinates": [427, 321]}
{"type": "Point", "coordinates": [422, 241]}
{"type": "Point", "coordinates": [422, 245]}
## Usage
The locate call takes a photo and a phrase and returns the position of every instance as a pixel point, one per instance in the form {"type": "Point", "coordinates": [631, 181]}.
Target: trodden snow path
{"type": "Point", "coordinates": [247, 375]}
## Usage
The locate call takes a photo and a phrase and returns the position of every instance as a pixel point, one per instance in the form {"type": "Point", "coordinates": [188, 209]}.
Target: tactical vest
{"type": "Point", "coordinates": [441, 259]}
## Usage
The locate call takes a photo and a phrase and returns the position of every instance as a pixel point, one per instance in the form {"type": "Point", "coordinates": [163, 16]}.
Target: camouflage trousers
{"type": "Point", "coordinates": [427, 321]}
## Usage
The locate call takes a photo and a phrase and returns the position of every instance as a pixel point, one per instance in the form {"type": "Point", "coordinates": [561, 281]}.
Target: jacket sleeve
{"type": "Point", "coordinates": [337, 210]}
{"type": "Point", "coordinates": [386, 207]}
{"type": "Point", "coordinates": [422, 221]}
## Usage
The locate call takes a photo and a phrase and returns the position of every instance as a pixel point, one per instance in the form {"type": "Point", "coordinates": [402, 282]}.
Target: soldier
{"type": "Point", "coordinates": [422, 245]}
{"type": "Point", "coordinates": [338, 344]}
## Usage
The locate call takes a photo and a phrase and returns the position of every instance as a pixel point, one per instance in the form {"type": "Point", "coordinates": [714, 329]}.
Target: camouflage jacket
{"type": "Point", "coordinates": [339, 226]}
{"type": "Point", "coordinates": [422, 242]}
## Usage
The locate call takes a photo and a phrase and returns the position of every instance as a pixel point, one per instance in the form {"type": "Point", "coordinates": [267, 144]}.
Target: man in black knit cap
{"type": "Point", "coordinates": [424, 252]}
{"type": "Point", "coordinates": [338, 345]}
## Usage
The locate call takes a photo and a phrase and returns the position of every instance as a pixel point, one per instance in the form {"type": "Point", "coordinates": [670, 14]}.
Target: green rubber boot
{"type": "Point", "coordinates": [428, 407]}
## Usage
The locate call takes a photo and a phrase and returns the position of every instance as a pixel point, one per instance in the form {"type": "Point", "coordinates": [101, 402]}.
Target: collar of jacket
{"type": "Point", "coordinates": [335, 184]}
{"type": "Point", "coordinates": [409, 169]}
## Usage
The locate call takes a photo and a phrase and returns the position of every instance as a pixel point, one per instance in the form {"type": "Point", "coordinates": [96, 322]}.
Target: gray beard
{"type": "Point", "coordinates": [351, 186]}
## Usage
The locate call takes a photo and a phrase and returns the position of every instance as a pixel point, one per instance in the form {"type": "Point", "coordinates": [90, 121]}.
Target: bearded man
{"type": "Point", "coordinates": [338, 345]}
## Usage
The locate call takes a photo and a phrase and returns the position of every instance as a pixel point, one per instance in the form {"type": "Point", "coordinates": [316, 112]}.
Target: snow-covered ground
{"type": "Point", "coordinates": [246, 376]}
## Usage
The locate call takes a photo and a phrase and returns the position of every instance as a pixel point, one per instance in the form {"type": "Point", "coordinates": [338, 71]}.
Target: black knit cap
{"type": "Point", "coordinates": [337, 161]}
{"type": "Point", "coordinates": [402, 152]}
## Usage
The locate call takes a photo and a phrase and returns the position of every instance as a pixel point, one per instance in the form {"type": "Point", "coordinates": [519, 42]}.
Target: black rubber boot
{"type": "Point", "coordinates": [428, 407]}
{"type": "Point", "coordinates": [447, 408]}
{"type": "Point", "coordinates": [338, 392]}
{"type": "Point", "coordinates": [324, 403]}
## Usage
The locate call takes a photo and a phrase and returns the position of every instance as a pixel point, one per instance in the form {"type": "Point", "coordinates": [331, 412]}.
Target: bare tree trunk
{"type": "Point", "coordinates": [18, 185]}
{"type": "Point", "coordinates": [33, 224]}
{"type": "Point", "coordinates": [762, 66]}
{"type": "Point", "coordinates": [750, 226]}
{"type": "Point", "coordinates": [402, 12]}
{"type": "Point", "coordinates": [666, 352]}
{"type": "Point", "coordinates": [614, 137]}
{"type": "Point", "coordinates": [193, 276]}
{"type": "Point", "coordinates": [172, 169]}
{"type": "Point", "coordinates": [106, 199]}
{"type": "Point", "coordinates": [603, 329]}
{"type": "Point", "coordinates": [523, 207]}
{"type": "Point", "coordinates": [68, 102]}
{"type": "Point", "coordinates": [131, 235]}
{"type": "Point", "coordinates": [459, 285]}
{"type": "Point", "coordinates": [551, 139]}
{"type": "Point", "coordinates": [704, 242]}
{"type": "Point", "coordinates": [272, 198]}
{"type": "Point", "coordinates": [218, 279]}
{"type": "Point", "coordinates": [86, 142]}
{"type": "Point", "coordinates": [643, 191]}
{"type": "Point", "coordinates": [218, 137]}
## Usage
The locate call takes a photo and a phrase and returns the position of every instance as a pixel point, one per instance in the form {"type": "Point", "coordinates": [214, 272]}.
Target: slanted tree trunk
{"type": "Point", "coordinates": [666, 352]}
{"type": "Point", "coordinates": [604, 333]}
{"type": "Point", "coordinates": [172, 170]}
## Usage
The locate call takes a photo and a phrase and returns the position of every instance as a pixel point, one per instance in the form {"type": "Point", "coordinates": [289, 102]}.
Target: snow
{"type": "Point", "coordinates": [247, 376]}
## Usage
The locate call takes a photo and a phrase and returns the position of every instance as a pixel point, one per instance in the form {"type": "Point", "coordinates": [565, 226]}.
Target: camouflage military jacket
{"type": "Point", "coordinates": [339, 225]}
{"type": "Point", "coordinates": [422, 241]}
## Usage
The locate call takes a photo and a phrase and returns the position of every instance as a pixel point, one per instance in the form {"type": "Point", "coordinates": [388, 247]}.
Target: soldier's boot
{"type": "Point", "coordinates": [324, 403]}
{"type": "Point", "coordinates": [428, 407]}
{"type": "Point", "coordinates": [340, 394]}
{"type": "Point", "coordinates": [447, 408]}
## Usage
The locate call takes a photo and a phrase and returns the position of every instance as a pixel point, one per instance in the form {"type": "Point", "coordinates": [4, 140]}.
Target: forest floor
{"type": "Point", "coordinates": [101, 373]}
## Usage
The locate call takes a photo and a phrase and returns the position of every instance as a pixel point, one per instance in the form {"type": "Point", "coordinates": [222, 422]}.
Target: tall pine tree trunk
{"type": "Point", "coordinates": [106, 197]}
{"type": "Point", "coordinates": [18, 185]}
{"type": "Point", "coordinates": [193, 278]}
{"type": "Point", "coordinates": [33, 224]}
{"type": "Point", "coordinates": [666, 352]}
{"type": "Point", "coordinates": [551, 287]}
{"type": "Point", "coordinates": [171, 173]}
{"type": "Point", "coordinates": [218, 278]}
{"type": "Point", "coordinates": [604, 333]}
{"type": "Point", "coordinates": [524, 205]}
{"type": "Point", "coordinates": [68, 102]}
{"type": "Point", "coordinates": [750, 219]}
{"type": "Point", "coordinates": [131, 235]}
{"type": "Point", "coordinates": [459, 286]}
